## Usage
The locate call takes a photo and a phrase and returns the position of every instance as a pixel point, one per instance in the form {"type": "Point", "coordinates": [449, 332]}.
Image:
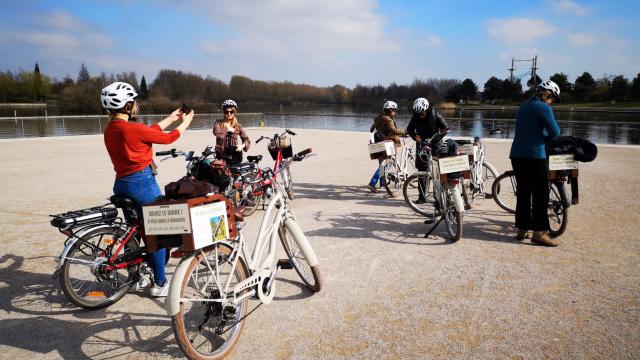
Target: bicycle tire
{"type": "Point", "coordinates": [95, 293]}
{"type": "Point", "coordinates": [390, 176]}
{"type": "Point", "coordinates": [453, 218]}
{"type": "Point", "coordinates": [310, 275]}
{"type": "Point", "coordinates": [489, 176]}
{"type": "Point", "coordinates": [411, 193]}
{"type": "Point", "coordinates": [556, 210]}
{"type": "Point", "coordinates": [467, 194]}
{"type": "Point", "coordinates": [288, 183]}
{"type": "Point", "coordinates": [504, 191]}
{"type": "Point", "coordinates": [189, 333]}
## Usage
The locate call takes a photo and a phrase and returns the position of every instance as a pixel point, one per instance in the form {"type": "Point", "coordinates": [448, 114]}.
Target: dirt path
{"type": "Point", "coordinates": [388, 293]}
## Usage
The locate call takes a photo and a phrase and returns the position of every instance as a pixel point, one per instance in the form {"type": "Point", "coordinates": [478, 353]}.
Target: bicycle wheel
{"type": "Point", "coordinates": [504, 191]}
{"type": "Point", "coordinates": [557, 211]}
{"type": "Point", "coordinates": [84, 279]}
{"type": "Point", "coordinates": [489, 176]}
{"type": "Point", "coordinates": [288, 182]}
{"type": "Point", "coordinates": [416, 192]}
{"type": "Point", "coordinates": [390, 176]}
{"type": "Point", "coordinates": [247, 197]}
{"type": "Point", "coordinates": [452, 217]}
{"type": "Point", "coordinates": [209, 324]}
{"type": "Point", "coordinates": [310, 275]}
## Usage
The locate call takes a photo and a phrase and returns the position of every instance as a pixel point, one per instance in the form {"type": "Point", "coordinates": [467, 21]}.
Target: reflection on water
{"type": "Point", "coordinates": [611, 128]}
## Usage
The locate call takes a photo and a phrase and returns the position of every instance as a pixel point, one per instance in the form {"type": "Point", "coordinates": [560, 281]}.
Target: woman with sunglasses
{"type": "Point", "coordinates": [534, 124]}
{"type": "Point", "coordinates": [231, 139]}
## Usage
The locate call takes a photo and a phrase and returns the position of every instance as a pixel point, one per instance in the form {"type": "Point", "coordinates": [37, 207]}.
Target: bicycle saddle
{"type": "Point", "coordinates": [254, 158]}
{"type": "Point", "coordinates": [122, 202]}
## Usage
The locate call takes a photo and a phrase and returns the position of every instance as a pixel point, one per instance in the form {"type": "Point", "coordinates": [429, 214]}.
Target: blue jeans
{"type": "Point", "coordinates": [376, 178]}
{"type": "Point", "coordinates": [141, 187]}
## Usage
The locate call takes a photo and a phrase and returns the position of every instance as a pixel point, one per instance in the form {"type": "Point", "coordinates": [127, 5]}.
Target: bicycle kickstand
{"type": "Point", "coordinates": [433, 227]}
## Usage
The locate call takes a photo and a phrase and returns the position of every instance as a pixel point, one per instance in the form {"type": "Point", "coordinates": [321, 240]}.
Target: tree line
{"type": "Point", "coordinates": [172, 87]}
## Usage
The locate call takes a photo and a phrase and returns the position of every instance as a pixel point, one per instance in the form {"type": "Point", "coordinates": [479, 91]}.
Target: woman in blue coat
{"type": "Point", "coordinates": [534, 124]}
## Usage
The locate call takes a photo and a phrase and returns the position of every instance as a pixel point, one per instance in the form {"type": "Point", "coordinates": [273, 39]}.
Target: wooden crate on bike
{"type": "Point", "coordinates": [562, 165]}
{"type": "Point", "coordinates": [443, 166]}
{"type": "Point", "coordinates": [195, 223]}
{"type": "Point", "coordinates": [381, 150]}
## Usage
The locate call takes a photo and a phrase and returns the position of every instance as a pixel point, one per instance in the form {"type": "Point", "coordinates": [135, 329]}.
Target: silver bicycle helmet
{"type": "Point", "coordinates": [229, 103]}
{"type": "Point", "coordinates": [390, 105]}
{"type": "Point", "coordinates": [117, 95]}
{"type": "Point", "coordinates": [551, 86]}
{"type": "Point", "coordinates": [420, 105]}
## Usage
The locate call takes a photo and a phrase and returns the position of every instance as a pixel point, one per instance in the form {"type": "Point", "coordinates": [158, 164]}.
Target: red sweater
{"type": "Point", "coordinates": [129, 144]}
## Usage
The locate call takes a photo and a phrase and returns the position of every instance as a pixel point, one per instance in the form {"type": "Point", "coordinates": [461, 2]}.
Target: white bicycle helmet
{"type": "Point", "coordinates": [420, 105]}
{"type": "Point", "coordinates": [551, 86]}
{"type": "Point", "coordinates": [229, 103]}
{"type": "Point", "coordinates": [390, 105]}
{"type": "Point", "coordinates": [117, 95]}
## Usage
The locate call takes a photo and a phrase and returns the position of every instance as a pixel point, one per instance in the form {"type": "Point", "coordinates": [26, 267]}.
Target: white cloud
{"type": "Point", "coordinates": [432, 40]}
{"type": "Point", "coordinates": [61, 20]}
{"type": "Point", "coordinates": [581, 40]}
{"type": "Point", "coordinates": [52, 39]}
{"type": "Point", "coordinates": [519, 30]}
{"type": "Point", "coordinates": [569, 7]}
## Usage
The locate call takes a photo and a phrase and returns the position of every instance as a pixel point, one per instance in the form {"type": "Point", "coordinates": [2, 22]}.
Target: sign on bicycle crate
{"type": "Point", "coordinates": [453, 164]}
{"type": "Point", "coordinates": [381, 149]}
{"type": "Point", "coordinates": [562, 162]}
{"type": "Point", "coordinates": [200, 222]}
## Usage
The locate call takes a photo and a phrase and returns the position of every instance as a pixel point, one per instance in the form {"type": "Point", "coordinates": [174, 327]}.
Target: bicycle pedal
{"type": "Point", "coordinates": [285, 264]}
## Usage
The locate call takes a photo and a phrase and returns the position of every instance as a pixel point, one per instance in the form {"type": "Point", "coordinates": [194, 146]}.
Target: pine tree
{"type": "Point", "coordinates": [143, 93]}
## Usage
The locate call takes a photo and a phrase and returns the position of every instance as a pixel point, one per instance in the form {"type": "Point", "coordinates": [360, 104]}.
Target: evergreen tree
{"type": "Point", "coordinates": [143, 93]}
{"type": "Point", "coordinates": [492, 89]}
{"type": "Point", "coordinates": [584, 87]}
{"type": "Point", "coordinates": [534, 81]}
{"type": "Point", "coordinates": [618, 88]}
{"type": "Point", "coordinates": [634, 90]}
{"type": "Point", "coordinates": [83, 75]}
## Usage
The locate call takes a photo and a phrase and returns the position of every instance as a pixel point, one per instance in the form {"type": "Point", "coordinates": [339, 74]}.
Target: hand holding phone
{"type": "Point", "coordinates": [185, 109]}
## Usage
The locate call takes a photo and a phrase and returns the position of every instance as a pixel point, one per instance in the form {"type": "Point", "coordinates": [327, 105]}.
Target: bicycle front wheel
{"type": "Point", "coordinates": [86, 279]}
{"type": "Point", "coordinates": [290, 239]}
{"type": "Point", "coordinates": [209, 322]}
{"type": "Point", "coordinates": [452, 217]}
{"type": "Point", "coordinates": [557, 211]}
{"type": "Point", "coordinates": [391, 176]}
{"type": "Point", "coordinates": [288, 182]}
{"type": "Point", "coordinates": [504, 191]}
{"type": "Point", "coordinates": [416, 192]}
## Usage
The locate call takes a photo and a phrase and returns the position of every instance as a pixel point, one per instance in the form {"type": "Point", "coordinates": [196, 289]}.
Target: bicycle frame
{"type": "Point", "coordinates": [262, 265]}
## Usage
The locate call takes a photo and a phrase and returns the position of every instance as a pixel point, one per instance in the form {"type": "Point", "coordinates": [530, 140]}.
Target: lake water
{"type": "Point", "coordinates": [599, 127]}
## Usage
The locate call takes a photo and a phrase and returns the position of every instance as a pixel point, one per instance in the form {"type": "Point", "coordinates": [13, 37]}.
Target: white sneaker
{"type": "Point", "coordinates": [160, 291]}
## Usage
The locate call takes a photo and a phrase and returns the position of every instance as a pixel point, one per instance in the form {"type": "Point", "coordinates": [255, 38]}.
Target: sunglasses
{"type": "Point", "coordinates": [229, 112]}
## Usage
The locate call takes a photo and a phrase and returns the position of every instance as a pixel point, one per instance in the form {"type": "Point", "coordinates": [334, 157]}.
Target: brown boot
{"type": "Point", "coordinates": [543, 238]}
{"type": "Point", "coordinates": [522, 234]}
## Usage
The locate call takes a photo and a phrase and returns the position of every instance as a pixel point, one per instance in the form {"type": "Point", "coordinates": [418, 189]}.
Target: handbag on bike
{"type": "Point", "coordinates": [188, 187]}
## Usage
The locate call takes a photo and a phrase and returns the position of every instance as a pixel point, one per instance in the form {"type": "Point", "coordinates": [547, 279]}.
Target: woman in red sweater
{"type": "Point", "coordinates": [129, 145]}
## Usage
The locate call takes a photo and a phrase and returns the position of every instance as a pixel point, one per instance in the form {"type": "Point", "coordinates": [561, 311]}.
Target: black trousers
{"type": "Point", "coordinates": [532, 194]}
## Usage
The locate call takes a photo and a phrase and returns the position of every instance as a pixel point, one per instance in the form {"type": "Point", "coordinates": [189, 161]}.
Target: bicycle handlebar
{"type": "Point", "coordinates": [171, 152]}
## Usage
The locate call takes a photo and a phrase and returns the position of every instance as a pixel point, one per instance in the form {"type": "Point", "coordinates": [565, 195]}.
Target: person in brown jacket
{"type": "Point", "coordinates": [227, 131]}
{"type": "Point", "coordinates": [386, 129]}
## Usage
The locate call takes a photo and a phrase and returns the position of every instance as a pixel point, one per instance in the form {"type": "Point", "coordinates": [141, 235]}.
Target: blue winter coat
{"type": "Point", "coordinates": [534, 123]}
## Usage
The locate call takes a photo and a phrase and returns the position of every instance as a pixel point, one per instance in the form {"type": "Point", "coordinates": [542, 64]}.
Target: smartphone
{"type": "Point", "coordinates": [185, 109]}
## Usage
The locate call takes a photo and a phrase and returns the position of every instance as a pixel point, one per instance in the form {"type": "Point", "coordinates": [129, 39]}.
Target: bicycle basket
{"type": "Point", "coordinates": [284, 144]}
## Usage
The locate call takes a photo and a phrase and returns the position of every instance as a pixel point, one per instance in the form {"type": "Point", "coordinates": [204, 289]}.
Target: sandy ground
{"type": "Point", "coordinates": [388, 292]}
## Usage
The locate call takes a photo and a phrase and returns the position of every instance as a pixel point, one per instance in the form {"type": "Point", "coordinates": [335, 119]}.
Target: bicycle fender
{"type": "Point", "coordinates": [491, 167]}
{"type": "Point", "coordinates": [302, 241]}
{"type": "Point", "coordinates": [73, 240]}
{"type": "Point", "coordinates": [172, 303]}
{"type": "Point", "coordinates": [457, 199]}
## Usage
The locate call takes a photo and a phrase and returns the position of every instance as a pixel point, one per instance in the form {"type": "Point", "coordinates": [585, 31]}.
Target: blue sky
{"type": "Point", "coordinates": [325, 42]}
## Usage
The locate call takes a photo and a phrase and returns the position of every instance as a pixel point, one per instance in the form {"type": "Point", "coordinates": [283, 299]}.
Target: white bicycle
{"type": "Point", "coordinates": [210, 288]}
{"type": "Point", "coordinates": [483, 174]}
{"type": "Point", "coordinates": [395, 169]}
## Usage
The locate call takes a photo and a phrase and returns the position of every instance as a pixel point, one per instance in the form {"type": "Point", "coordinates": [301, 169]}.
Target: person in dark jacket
{"type": "Point", "coordinates": [535, 123]}
{"type": "Point", "coordinates": [425, 122]}
{"type": "Point", "coordinates": [385, 126]}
